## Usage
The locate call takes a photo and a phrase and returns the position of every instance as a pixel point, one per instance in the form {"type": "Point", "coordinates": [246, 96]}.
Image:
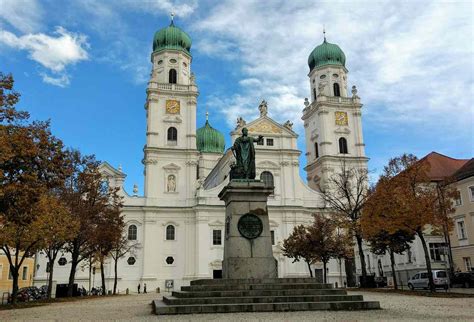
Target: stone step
{"type": "Point", "coordinates": [239, 293]}
{"type": "Point", "coordinates": [264, 286]}
{"type": "Point", "coordinates": [161, 308]}
{"type": "Point", "coordinates": [171, 300]}
{"type": "Point", "coordinates": [285, 280]}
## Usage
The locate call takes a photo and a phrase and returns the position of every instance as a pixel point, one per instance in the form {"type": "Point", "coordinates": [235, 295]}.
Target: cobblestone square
{"type": "Point", "coordinates": [396, 307]}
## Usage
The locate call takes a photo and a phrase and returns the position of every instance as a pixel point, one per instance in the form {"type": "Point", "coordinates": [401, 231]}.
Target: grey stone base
{"type": "Point", "coordinates": [256, 267]}
{"type": "Point", "coordinates": [259, 295]}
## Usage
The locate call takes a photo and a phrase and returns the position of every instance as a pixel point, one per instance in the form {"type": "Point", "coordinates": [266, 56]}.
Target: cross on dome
{"type": "Point", "coordinates": [172, 14]}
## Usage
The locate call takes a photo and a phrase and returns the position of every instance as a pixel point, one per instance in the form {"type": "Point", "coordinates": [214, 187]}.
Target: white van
{"type": "Point", "coordinates": [420, 280]}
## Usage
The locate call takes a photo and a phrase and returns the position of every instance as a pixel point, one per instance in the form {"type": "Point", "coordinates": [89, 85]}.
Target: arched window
{"type": "Point", "coordinates": [172, 134]}
{"type": "Point", "coordinates": [267, 178]}
{"type": "Point", "coordinates": [343, 146]}
{"type": "Point", "coordinates": [170, 232]}
{"type": "Point", "coordinates": [337, 91]}
{"type": "Point", "coordinates": [316, 151]}
{"type": "Point", "coordinates": [172, 76]}
{"type": "Point", "coordinates": [132, 232]}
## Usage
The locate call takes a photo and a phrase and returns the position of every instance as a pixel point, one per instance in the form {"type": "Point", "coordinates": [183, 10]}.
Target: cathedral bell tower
{"type": "Point", "coordinates": [170, 152]}
{"type": "Point", "coordinates": [332, 118]}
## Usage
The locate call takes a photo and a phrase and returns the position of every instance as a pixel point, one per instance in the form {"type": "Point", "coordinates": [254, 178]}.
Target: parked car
{"type": "Point", "coordinates": [420, 280]}
{"type": "Point", "coordinates": [466, 279]}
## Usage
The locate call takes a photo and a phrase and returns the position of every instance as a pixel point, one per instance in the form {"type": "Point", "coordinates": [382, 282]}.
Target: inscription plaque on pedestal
{"type": "Point", "coordinates": [250, 226]}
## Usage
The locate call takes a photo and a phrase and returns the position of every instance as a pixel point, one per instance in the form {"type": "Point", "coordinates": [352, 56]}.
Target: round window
{"type": "Point", "coordinates": [169, 260]}
{"type": "Point", "coordinates": [335, 75]}
{"type": "Point", "coordinates": [160, 62]}
{"type": "Point", "coordinates": [322, 77]}
{"type": "Point", "coordinates": [173, 61]}
{"type": "Point", "coordinates": [62, 261]}
{"type": "Point", "coordinates": [131, 260]}
{"type": "Point", "coordinates": [185, 65]}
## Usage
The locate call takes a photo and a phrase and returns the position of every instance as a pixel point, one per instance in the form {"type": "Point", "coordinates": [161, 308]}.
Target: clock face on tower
{"type": "Point", "coordinates": [172, 106]}
{"type": "Point", "coordinates": [341, 118]}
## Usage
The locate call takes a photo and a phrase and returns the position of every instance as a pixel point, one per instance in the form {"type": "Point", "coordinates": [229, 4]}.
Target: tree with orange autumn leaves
{"type": "Point", "coordinates": [318, 242]}
{"type": "Point", "coordinates": [405, 200]}
{"type": "Point", "coordinates": [97, 209]}
{"type": "Point", "coordinates": [51, 199]}
{"type": "Point", "coordinates": [33, 164]}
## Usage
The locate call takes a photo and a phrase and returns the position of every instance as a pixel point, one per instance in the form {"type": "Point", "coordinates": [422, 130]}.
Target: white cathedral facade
{"type": "Point", "coordinates": [178, 224]}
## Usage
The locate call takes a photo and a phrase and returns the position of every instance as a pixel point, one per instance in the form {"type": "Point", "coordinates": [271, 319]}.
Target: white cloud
{"type": "Point", "coordinates": [409, 65]}
{"type": "Point", "coordinates": [60, 81]}
{"type": "Point", "coordinates": [24, 15]}
{"type": "Point", "coordinates": [54, 52]}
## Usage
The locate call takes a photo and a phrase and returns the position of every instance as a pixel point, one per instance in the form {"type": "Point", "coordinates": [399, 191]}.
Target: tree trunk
{"type": "Point", "coordinates": [14, 271]}
{"type": "Point", "coordinates": [392, 264]}
{"type": "Point", "coordinates": [102, 276]}
{"type": "Point", "coordinates": [447, 240]}
{"type": "Point", "coordinates": [362, 261]}
{"type": "Point", "coordinates": [324, 272]}
{"type": "Point", "coordinates": [428, 261]}
{"type": "Point", "coordinates": [309, 267]}
{"type": "Point", "coordinates": [90, 274]}
{"type": "Point", "coordinates": [50, 278]}
{"type": "Point", "coordinates": [72, 274]}
{"type": "Point", "coordinates": [115, 275]}
{"type": "Point", "coordinates": [340, 272]}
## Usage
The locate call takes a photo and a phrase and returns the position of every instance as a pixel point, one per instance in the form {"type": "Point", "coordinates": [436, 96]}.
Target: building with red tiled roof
{"type": "Point", "coordinates": [442, 166]}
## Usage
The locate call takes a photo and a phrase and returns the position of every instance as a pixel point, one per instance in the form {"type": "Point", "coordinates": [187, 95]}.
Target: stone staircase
{"type": "Point", "coordinates": [259, 295]}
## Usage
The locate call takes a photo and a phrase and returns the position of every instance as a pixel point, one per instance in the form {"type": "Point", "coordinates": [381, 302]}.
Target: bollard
{"type": "Point", "coordinates": [127, 291]}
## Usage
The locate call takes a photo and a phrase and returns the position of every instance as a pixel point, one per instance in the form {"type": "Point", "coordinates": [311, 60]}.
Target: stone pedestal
{"type": "Point", "coordinates": [247, 246]}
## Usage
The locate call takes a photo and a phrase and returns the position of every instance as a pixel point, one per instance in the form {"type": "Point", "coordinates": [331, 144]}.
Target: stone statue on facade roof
{"type": "Point", "coordinates": [244, 153]}
{"type": "Point", "coordinates": [240, 122]}
{"type": "Point", "coordinates": [263, 108]}
{"type": "Point", "coordinates": [289, 125]}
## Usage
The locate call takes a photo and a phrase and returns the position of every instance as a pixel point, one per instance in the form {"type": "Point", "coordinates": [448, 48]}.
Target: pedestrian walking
{"type": "Point", "coordinates": [144, 288]}
{"type": "Point", "coordinates": [138, 288]}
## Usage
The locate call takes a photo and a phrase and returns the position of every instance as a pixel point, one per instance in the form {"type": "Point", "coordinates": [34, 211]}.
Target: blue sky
{"type": "Point", "coordinates": [84, 65]}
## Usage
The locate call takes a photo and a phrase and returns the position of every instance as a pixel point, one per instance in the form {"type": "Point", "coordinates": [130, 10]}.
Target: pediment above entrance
{"type": "Point", "coordinates": [264, 126]}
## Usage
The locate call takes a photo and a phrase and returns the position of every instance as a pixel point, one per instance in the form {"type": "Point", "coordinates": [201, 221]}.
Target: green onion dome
{"type": "Point", "coordinates": [326, 54]}
{"type": "Point", "coordinates": [172, 37]}
{"type": "Point", "coordinates": [209, 139]}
